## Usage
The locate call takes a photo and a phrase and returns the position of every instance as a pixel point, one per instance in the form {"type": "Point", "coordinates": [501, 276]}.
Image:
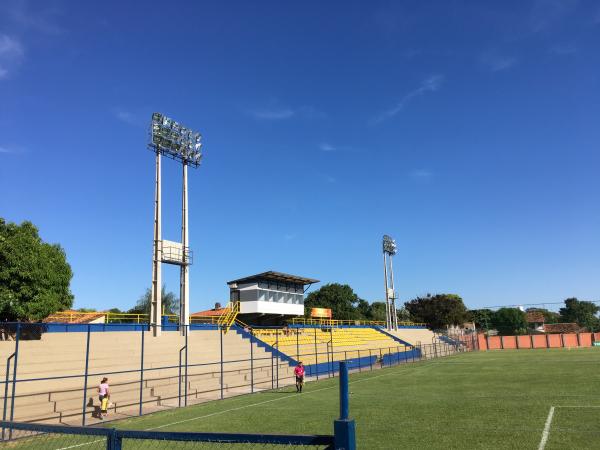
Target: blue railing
{"type": "Point", "coordinates": [32, 434]}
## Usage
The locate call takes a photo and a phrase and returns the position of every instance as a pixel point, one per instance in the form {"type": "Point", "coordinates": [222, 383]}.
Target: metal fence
{"type": "Point", "coordinates": [41, 436]}
{"type": "Point", "coordinates": [262, 367]}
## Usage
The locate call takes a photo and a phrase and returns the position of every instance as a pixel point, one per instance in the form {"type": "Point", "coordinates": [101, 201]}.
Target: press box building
{"type": "Point", "coordinates": [269, 297]}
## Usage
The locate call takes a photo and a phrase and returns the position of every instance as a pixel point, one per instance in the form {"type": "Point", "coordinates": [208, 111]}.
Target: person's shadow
{"type": "Point", "coordinates": [96, 414]}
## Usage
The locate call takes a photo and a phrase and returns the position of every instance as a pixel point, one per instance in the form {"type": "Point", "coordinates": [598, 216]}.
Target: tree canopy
{"type": "Point", "coordinates": [438, 310]}
{"type": "Point", "coordinates": [481, 317]}
{"type": "Point", "coordinates": [582, 312]}
{"type": "Point", "coordinates": [170, 302]}
{"type": "Point", "coordinates": [340, 298]}
{"type": "Point", "coordinates": [510, 321]}
{"type": "Point", "coordinates": [34, 275]}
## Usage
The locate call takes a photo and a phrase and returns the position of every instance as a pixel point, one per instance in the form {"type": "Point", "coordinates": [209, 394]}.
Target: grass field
{"type": "Point", "coordinates": [498, 400]}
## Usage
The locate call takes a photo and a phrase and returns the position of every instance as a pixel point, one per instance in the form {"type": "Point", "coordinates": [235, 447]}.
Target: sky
{"type": "Point", "coordinates": [468, 131]}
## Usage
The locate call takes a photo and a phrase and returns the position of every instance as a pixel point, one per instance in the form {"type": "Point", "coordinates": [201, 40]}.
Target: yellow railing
{"type": "Point", "coordinates": [109, 317]}
{"type": "Point", "coordinates": [228, 319]}
{"type": "Point", "coordinates": [334, 322]}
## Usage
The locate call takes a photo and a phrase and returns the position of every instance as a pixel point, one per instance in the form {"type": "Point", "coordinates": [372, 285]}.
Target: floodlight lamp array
{"type": "Point", "coordinates": [174, 140]}
{"type": "Point", "coordinates": [389, 245]}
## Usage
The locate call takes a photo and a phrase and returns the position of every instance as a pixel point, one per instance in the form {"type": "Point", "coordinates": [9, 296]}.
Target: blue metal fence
{"type": "Point", "coordinates": [34, 436]}
{"type": "Point", "coordinates": [366, 359]}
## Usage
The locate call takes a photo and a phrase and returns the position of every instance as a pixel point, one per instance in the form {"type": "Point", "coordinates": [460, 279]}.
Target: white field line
{"type": "Point", "coordinates": [261, 403]}
{"type": "Point", "coordinates": [237, 408]}
{"type": "Point", "coordinates": [546, 432]}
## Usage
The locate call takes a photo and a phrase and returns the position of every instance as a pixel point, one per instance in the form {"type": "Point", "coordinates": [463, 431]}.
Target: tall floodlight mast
{"type": "Point", "coordinates": [389, 250]}
{"type": "Point", "coordinates": [169, 138]}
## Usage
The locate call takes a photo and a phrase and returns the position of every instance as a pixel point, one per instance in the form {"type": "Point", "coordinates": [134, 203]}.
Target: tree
{"type": "Point", "coordinates": [581, 312]}
{"type": "Point", "coordinates": [510, 321]}
{"type": "Point", "coordinates": [377, 311]}
{"type": "Point", "coordinates": [438, 310]}
{"type": "Point", "coordinates": [170, 302]}
{"type": "Point", "coordinates": [340, 298]}
{"type": "Point", "coordinates": [34, 275]}
{"type": "Point", "coordinates": [481, 317]}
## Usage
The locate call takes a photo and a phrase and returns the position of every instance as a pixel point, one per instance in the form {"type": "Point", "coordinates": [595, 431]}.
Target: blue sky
{"type": "Point", "coordinates": [469, 131]}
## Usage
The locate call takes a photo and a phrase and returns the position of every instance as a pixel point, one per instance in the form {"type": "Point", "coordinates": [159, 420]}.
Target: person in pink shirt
{"type": "Point", "coordinates": [299, 372]}
{"type": "Point", "coordinates": [103, 395]}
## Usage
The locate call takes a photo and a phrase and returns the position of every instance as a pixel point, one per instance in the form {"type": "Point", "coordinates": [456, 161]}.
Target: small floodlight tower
{"type": "Point", "coordinates": [169, 138]}
{"type": "Point", "coordinates": [389, 250]}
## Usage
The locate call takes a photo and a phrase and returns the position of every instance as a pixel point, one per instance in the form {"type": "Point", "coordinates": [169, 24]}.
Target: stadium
{"type": "Point", "coordinates": [307, 225]}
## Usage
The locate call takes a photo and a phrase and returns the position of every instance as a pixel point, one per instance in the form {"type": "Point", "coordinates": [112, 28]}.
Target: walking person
{"type": "Point", "coordinates": [104, 396]}
{"type": "Point", "coordinates": [299, 372]}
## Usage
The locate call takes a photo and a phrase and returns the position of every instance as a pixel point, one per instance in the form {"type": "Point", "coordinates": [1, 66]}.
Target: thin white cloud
{"type": "Point", "coordinates": [563, 50]}
{"type": "Point", "coordinates": [11, 54]}
{"type": "Point", "coordinates": [430, 84]}
{"type": "Point", "coordinates": [272, 114]}
{"type": "Point", "coordinates": [498, 63]}
{"type": "Point", "coordinates": [4, 149]}
{"type": "Point", "coordinates": [42, 17]}
{"type": "Point", "coordinates": [127, 117]}
{"type": "Point", "coordinates": [282, 113]}
{"type": "Point", "coordinates": [325, 147]}
{"type": "Point", "coordinates": [421, 174]}
{"type": "Point", "coordinates": [546, 13]}
{"type": "Point", "coordinates": [289, 236]}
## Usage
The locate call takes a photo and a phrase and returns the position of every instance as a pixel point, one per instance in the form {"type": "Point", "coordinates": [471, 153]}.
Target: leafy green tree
{"type": "Point", "coordinates": [364, 309]}
{"type": "Point", "coordinates": [34, 275]}
{"type": "Point", "coordinates": [481, 317]}
{"type": "Point", "coordinates": [339, 297]}
{"type": "Point", "coordinates": [170, 302]}
{"type": "Point", "coordinates": [404, 315]}
{"type": "Point", "coordinates": [377, 311]}
{"type": "Point", "coordinates": [438, 310]}
{"type": "Point", "coordinates": [582, 312]}
{"type": "Point", "coordinates": [510, 321]}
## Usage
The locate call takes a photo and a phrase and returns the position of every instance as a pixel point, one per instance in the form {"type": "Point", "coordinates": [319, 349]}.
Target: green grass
{"type": "Point", "coordinates": [481, 400]}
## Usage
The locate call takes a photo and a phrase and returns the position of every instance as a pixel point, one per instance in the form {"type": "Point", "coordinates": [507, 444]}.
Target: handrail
{"type": "Point", "coordinates": [336, 322]}
{"type": "Point", "coordinates": [228, 319]}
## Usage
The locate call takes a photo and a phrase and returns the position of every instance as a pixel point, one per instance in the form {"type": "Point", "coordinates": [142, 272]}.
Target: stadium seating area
{"type": "Point", "coordinates": [63, 354]}
{"type": "Point", "coordinates": [336, 342]}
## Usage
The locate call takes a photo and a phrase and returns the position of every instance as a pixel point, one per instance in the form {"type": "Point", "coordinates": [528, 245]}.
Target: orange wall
{"type": "Point", "coordinates": [539, 341]}
{"type": "Point", "coordinates": [510, 341]}
{"type": "Point", "coordinates": [524, 341]}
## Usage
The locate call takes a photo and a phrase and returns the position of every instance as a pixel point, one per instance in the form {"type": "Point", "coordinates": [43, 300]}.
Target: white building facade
{"type": "Point", "coordinates": [270, 293]}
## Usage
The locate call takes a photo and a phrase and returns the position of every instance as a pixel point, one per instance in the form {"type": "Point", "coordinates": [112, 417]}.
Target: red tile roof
{"type": "Point", "coordinates": [535, 317]}
{"type": "Point", "coordinates": [211, 312]}
{"type": "Point", "coordinates": [71, 316]}
{"type": "Point", "coordinates": [561, 328]}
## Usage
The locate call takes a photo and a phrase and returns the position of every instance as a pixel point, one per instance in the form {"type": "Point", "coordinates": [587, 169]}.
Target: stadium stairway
{"type": "Point", "coordinates": [54, 366]}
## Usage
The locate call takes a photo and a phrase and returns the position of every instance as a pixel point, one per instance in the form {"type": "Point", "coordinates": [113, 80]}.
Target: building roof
{"type": "Point", "coordinates": [210, 312]}
{"type": "Point", "coordinates": [71, 316]}
{"type": "Point", "coordinates": [275, 276]}
{"type": "Point", "coordinates": [535, 317]}
{"type": "Point", "coordinates": [561, 328]}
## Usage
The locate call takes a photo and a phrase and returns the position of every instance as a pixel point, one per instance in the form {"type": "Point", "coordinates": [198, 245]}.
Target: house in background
{"type": "Point", "coordinates": [536, 320]}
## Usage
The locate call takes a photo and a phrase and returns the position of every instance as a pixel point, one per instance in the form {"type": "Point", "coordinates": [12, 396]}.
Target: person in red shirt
{"type": "Point", "coordinates": [299, 372]}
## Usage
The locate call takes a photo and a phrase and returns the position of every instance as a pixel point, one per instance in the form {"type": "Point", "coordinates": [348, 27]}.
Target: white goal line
{"type": "Point", "coordinates": [548, 424]}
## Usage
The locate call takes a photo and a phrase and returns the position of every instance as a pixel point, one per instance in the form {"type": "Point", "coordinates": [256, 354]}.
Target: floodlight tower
{"type": "Point", "coordinates": [169, 138]}
{"type": "Point", "coordinates": [389, 250]}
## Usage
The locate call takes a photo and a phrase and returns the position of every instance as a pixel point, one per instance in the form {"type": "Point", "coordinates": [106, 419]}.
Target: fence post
{"type": "Point", "coordinates": [14, 378]}
{"type": "Point", "coordinates": [142, 373]}
{"type": "Point", "coordinates": [316, 356]}
{"type": "Point", "coordinates": [251, 364]}
{"type": "Point", "coordinates": [381, 358]}
{"type": "Point", "coordinates": [85, 376]}
{"type": "Point", "coordinates": [114, 441]}
{"type": "Point", "coordinates": [344, 427]}
{"type": "Point", "coordinates": [185, 376]}
{"type": "Point", "coordinates": [277, 356]}
{"type": "Point", "coordinates": [221, 342]}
